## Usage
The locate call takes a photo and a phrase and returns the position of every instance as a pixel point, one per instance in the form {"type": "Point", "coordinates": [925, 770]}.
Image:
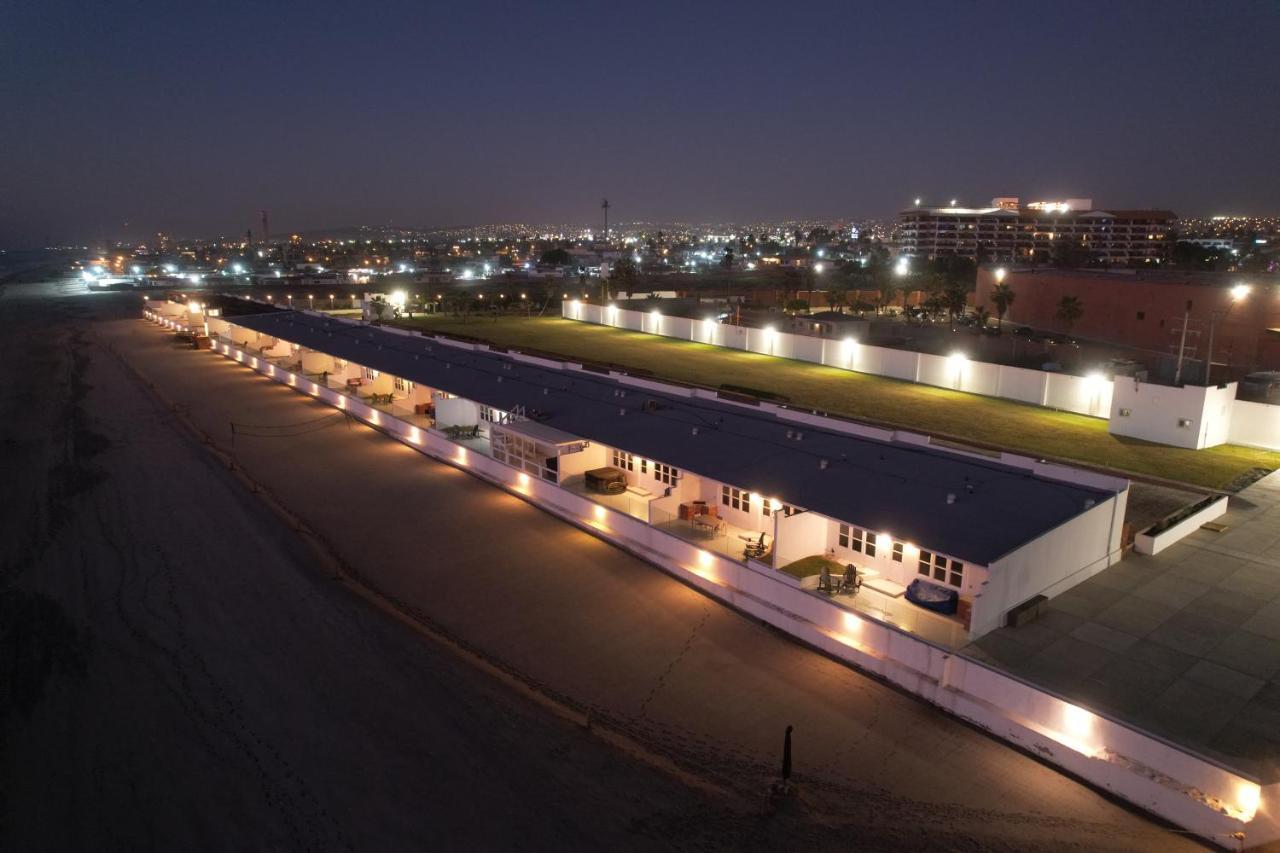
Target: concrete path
{"type": "Point", "coordinates": [685, 676]}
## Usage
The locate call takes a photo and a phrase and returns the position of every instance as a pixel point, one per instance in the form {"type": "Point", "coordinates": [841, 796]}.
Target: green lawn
{"type": "Point", "coordinates": [966, 417]}
{"type": "Point", "coordinates": [809, 566]}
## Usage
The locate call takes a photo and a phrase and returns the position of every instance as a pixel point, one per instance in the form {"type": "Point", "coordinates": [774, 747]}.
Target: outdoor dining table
{"type": "Point", "coordinates": [707, 523]}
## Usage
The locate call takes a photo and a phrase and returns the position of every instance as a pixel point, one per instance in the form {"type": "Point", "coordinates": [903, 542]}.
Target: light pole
{"type": "Point", "coordinates": [1240, 291]}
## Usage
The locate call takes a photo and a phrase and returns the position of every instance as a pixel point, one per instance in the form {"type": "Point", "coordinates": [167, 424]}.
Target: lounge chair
{"type": "Point", "coordinates": [850, 583]}
{"type": "Point", "coordinates": [824, 581]}
{"type": "Point", "coordinates": [755, 549]}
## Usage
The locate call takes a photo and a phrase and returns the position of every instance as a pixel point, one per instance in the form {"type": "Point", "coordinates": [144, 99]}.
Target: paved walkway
{"type": "Point", "coordinates": [1185, 644]}
{"type": "Point", "coordinates": [688, 677]}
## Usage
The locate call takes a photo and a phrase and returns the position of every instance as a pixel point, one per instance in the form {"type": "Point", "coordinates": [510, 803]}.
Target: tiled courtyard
{"type": "Point", "coordinates": [1185, 644]}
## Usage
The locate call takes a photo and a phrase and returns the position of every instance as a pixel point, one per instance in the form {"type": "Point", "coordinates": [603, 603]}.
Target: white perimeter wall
{"type": "Point", "coordinates": [1213, 411]}
{"type": "Point", "coordinates": [1255, 425]}
{"type": "Point", "coordinates": [1060, 391]}
{"type": "Point", "coordinates": [1180, 786]}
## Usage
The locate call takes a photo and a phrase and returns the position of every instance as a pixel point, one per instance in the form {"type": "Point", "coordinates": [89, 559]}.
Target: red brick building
{"type": "Point", "coordinates": [1145, 309]}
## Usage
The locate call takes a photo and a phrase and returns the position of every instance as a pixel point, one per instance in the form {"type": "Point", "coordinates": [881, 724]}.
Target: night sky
{"type": "Point", "coordinates": [189, 118]}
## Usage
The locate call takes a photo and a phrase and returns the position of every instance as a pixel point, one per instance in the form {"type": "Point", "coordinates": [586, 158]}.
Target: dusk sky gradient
{"type": "Point", "coordinates": [189, 117]}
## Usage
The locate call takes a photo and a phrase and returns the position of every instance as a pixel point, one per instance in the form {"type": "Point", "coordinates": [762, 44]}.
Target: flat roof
{"type": "Point", "coordinates": [889, 487]}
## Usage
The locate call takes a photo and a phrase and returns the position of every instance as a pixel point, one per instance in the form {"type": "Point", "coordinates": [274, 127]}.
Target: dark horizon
{"type": "Point", "coordinates": [151, 118]}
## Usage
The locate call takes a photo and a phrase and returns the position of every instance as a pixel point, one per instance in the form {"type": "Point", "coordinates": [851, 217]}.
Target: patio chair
{"type": "Point", "coordinates": [754, 549]}
{"type": "Point", "coordinates": [824, 581]}
{"type": "Point", "coordinates": [850, 583]}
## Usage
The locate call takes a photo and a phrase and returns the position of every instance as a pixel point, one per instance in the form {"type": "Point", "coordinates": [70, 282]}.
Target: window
{"type": "Point", "coordinates": [402, 384]}
{"type": "Point", "coordinates": [370, 374]}
{"type": "Point", "coordinates": [785, 509]}
{"type": "Point", "coordinates": [939, 567]}
{"type": "Point", "coordinates": [897, 552]}
{"type": "Point", "coordinates": [492, 415]}
{"type": "Point", "coordinates": [665, 473]}
{"type": "Point", "coordinates": [957, 573]}
{"type": "Point", "coordinates": [926, 561]}
{"type": "Point", "coordinates": [624, 460]}
{"type": "Point", "coordinates": [857, 539]}
{"type": "Point", "coordinates": [735, 498]}
{"type": "Point", "coordinates": [644, 466]}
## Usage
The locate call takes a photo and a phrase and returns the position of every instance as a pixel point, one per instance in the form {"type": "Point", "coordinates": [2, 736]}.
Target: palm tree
{"type": "Point", "coordinates": [837, 299]}
{"type": "Point", "coordinates": [1070, 309]}
{"type": "Point", "coordinates": [982, 313]}
{"type": "Point", "coordinates": [1002, 297]}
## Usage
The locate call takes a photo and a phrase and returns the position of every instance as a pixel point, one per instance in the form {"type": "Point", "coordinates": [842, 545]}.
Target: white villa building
{"type": "Point", "coordinates": [747, 501]}
{"type": "Point", "coordinates": [754, 483]}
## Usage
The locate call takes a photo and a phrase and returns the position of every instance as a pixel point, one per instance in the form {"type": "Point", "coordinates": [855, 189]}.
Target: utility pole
{"type": "Point", "coordinates": [604, 205]}
{"type": "Point", "coordinates": [1182, 344]}
{"type": "Point", "coordinates": [1208, 358]}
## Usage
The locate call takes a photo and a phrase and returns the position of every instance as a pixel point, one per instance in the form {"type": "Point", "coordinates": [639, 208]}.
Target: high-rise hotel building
{"type": "Point", "coordinates": [1010, 231]}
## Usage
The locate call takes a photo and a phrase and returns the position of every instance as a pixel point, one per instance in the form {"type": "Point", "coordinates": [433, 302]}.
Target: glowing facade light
{"type": "Point", "coordinates": [850, 347]}
{"type": "Point", "coordinates": [1240, 291]}
{"type": "Point", "coordinates": [884, 541]}
{"type": "Point", "coordinates": [1000, 273]}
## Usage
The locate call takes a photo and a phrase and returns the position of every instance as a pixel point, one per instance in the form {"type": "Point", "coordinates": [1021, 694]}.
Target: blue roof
{"type": "Point", "coordinates": [885, 486]}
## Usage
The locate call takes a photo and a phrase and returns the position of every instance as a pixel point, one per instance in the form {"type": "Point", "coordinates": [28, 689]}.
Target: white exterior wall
{"type": "Point", "coordinates": [1180, 786]}
{"type": "Point", "coordinates": [1051, 564]}
{"type": "Point", "coordinates": [799, 536]}
{"type": "Point", "coordinates": [1255, 425]}
{"type": "Point", "coordinates": [1155, 413]}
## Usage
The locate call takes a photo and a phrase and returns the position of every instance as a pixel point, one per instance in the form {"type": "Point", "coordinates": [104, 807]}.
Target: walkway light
{"type": "Point", "coordinates": [1000, 273]}
{"type": "Point", "coordinates": [818, 268]}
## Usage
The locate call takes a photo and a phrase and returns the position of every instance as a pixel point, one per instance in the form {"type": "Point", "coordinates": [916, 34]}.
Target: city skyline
{"type": "Point", "coordinates": [136, 121]}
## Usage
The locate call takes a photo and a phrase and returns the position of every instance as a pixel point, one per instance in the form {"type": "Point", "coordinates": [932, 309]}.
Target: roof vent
{"type": "Point", "coordinates": [499, 378]}
{"type": "Point", "coordinates": [622, 411]}
{"type": "Point", "coordinates": [546, 391]}
{"type": "Point", "coordinates": [822, 464]}
{"type": "Point", "coordinates": [1089, 502]}
{"type": "Point", "coordinates": [791, 433]}
{"type": "Point", "coordinates": [695, 430]}
{"type": "Point", "coordinates": [951, 497]}
{"type": "Point", "coordinates": [799, 436]}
